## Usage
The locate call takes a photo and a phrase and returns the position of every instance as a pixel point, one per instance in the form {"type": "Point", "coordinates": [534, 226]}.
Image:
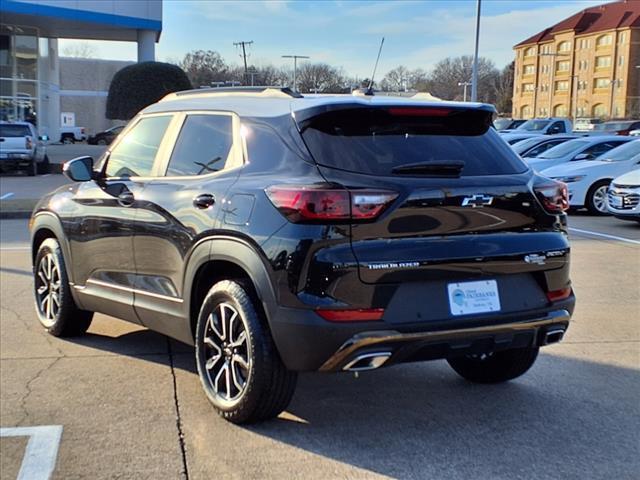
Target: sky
{"type": "Point", "coordinates": [347, 33]}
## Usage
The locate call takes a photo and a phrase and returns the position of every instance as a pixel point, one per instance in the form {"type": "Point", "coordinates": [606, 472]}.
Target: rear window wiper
{"type": "Point", "coordinates": [443, 168]}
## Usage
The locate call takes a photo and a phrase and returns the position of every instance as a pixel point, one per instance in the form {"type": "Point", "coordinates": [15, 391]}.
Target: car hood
{"type": "Point", "coordinates": [629, 178]}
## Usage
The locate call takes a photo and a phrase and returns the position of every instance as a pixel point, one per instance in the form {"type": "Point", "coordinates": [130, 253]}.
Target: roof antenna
{"type": "Point", "coordinates": [370, 88]}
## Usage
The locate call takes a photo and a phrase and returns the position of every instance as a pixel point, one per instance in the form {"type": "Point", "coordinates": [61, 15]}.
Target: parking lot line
{"type": "Point", "coordinates": [6, 195]}
{"type": "Point", "coordinates": [41, 452]}
{"type": "Point", "coordinates": [605, 235]}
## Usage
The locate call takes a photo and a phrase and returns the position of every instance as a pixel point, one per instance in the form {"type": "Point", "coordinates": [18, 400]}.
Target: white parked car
{"type": "Point", "coordinates": [634, 133]}
{"type": "Point", "coordinates": [623, 199]}
{"type": "Point", "coordinates": [588, 180]}
{"type": "Point", "coordinates": [584, 148]}
{"type": "Point", "coordinates": [22, 149]}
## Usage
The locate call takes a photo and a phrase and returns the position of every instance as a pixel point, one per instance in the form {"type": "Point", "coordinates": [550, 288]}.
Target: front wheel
{"type": "Point", "coordinates": [238, 364]}
{"type": "Point", "coordinates": [56, 309]}
{"type": "Point", "coordinates": [495, 367]}
{"type": "Point", "coordinates": [596, 201]}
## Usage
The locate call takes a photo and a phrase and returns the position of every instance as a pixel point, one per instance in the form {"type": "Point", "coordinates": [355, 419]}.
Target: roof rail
{"type": "Point", "coordinates": [281, 92]}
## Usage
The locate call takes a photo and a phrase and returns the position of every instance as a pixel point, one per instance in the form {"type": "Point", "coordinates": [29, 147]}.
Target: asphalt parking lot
{"type": "Point", "coordinates": [130, 404]}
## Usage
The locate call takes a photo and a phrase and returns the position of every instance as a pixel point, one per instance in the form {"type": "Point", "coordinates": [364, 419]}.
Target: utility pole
{"type": "Point", "coordinates": [474, 79]}
{"type": "Point", "coordinates": [243, 44]}
{"type": "Point", "coordinates": [465, 85]}
{"type": "Point", "coordinates": [295, 68]}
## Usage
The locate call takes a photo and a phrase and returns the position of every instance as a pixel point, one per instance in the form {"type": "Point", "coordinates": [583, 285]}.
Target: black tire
{"type": "Point", "coordinates": [44, 166]}
{"type": "Point", "coordinates": [496, 367]}
{"type": "Point", "coordinates": [592, 203]}
{"type": "Point", "coordinates": [267, 386]}
{"type": "Point", "coordinates": [67, 139]}
{"type": "Point", "coordinates": [102, 141]}
{"type": "Point", "coordinates": [67, 320]}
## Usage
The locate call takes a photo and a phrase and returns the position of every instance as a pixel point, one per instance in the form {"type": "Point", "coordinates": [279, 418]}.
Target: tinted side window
{"type": "Point", "coordinates": [602, 148]}
{"type": "Point", "coordinates": [203, 146]}
{"type": "Point", "coordinates": [136, 152]}
{"type": "Point", "coordinates": [558, 127]}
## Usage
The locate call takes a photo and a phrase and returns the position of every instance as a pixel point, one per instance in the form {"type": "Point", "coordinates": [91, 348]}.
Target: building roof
{"type": "Point", "coordinates": [591, 20]}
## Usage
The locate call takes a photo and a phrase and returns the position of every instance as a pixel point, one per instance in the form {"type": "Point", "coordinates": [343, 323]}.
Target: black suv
{"type": "Point", "coordinates": [280, 234]}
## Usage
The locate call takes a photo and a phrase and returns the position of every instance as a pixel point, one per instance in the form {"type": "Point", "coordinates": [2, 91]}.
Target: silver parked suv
{"type": "Point", "coordinates": [21, 148]}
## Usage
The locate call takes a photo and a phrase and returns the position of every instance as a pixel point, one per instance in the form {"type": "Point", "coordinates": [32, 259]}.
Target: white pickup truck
{"type": "Point", "coordinates": [72, 134]}
{"type": "Point", "coordinates": [544, 126]}
{"type": "Point", "coordinates": [21, 148]}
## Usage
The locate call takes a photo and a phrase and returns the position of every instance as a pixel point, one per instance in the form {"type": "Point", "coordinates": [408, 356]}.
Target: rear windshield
{"type": "Point", "coordinates": [8, 131]}
{"type": "Point", "coordinates": [374, 141]}
{"type": "Point", "coordinates": [624, 152]}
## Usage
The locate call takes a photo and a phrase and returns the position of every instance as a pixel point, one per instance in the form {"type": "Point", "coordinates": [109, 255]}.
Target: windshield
{"type": "Point", "coordinates": [563, 149]}
{"type": "Point", "coordinates": [534, 125]}
{"type": "Point", "coordinates": [501, 123]}
{"type": "Point", "coordinates": [622, 153]}
{"type": "Point", "coordinates": [614, 126]}
{"type": "Point", "coordinates": [376, 141]}
{"type": "Point", "coordinates": [524, 145]}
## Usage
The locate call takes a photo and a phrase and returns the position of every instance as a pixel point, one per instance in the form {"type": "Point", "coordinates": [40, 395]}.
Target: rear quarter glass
{"type": "Point", "coordinates": [374, 141]}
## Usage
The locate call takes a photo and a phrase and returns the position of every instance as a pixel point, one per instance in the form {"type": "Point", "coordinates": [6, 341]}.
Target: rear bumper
{"type": "Point", "coordinates": [306, 342]}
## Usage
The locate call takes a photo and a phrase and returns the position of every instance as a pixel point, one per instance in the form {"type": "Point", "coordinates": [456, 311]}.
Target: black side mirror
{"type": "Point", "coordinates": [43, 138]}
{"type": "Point", "coordinates": [79, 169]}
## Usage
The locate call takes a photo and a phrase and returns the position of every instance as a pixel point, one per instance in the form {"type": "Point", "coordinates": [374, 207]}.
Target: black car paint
{"type": "Point", "coordinates": [142, 262]}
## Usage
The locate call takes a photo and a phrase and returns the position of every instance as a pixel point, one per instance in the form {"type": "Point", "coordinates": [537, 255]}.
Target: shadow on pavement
{"type": "Point", "coordinates": [565, 418]}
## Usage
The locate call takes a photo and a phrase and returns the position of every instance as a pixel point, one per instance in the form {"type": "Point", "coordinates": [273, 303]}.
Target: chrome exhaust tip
{"type": "Point", "coordinates": [367, 361]}
{"type": "Point", "coordinates": [553, 335]}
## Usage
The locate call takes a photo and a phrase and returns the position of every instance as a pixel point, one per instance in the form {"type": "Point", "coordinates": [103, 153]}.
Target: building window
{"type": "Point", "coordinates": [602, 82]}
{"type": "Point", "coordinates": [530, 52]}
{"type": "Point", "coordinates": [621, 60]}
{"type": "Point", "coordinates": [599, 110]}
{"type": "Point", "coordinates": [621, 37]}
{"type": "Point", "coordinates": [562, 86]}
{"type": "Point", "coordinates": [560, 111]}
{"type": "Point", "coordinates": [603, 62]}
{"type": "Point", "coordinates": [529, 70]}
{"type": "Point", "coordinates": [603, 41]}
{"type": "Point", "coordinates": [564, 47]}
{"type": "Point", "coordinates": [525, 111]}
{"type": "Point", "coordinates": [563, 66]}
{"type": "Point", "coordinates": [527, 87]}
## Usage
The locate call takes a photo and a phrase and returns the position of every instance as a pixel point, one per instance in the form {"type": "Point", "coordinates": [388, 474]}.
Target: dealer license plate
{"type": "Point", "coordinates": [466, 298]}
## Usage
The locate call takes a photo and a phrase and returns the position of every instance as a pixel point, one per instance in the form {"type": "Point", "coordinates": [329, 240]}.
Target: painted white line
{"type": "Point", "coordinates": [605, 235]}
{"type": "Point", "coordinates": [41, 453]}
{"type": "Point", "coordinates": [6, 195]}
{"type": "Point", "coordinates": [45, 175]}
{"type": "Point", "coordinates": [14, 249]}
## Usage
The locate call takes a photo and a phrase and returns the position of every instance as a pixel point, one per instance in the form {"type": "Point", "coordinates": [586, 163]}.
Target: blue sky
{"type": "Point", "coordinates": [346, 33]}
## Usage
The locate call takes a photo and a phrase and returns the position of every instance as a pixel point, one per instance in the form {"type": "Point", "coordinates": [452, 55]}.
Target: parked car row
{"type": "Point", "coordinates": [587, 164]}
{"type": "Point", "coordinates": [558, 125]}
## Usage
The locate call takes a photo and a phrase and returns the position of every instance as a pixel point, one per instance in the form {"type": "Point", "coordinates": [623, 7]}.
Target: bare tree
{"type": "Point", "coordinates": [449, 72]}
{"type": "Point", "coordinates": [504, 89]}
{"type": "Point", "coordinates": [320, 78]}
{"type": "Point", "coordinates": [204, 67]}
{"type": "Point", "coordinates": [396, 80]}
{"type": "Point", "coordinates": [80, 50]}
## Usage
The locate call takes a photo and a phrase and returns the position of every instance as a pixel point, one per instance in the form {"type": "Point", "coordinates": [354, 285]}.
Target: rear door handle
{"type": "Point", "coordinates": [126, 199]}
{"type": "Point", "coordinates": [204, 201]}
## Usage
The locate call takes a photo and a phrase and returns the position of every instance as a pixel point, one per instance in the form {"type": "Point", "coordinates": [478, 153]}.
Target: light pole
{"type": "Point", "coordinates": [295, 68]}
{"type": "Point", "coordinates": [474, 77]}
{"type": "Point", "coordinates": [465, 85]}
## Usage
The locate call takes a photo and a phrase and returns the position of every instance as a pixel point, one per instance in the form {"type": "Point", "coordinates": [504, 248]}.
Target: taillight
{"type": "Point", "coordinates": [28, 143]}
{"type": "Point", "coordinates": [310, 204]}
{"type": "Point", "coordinates": [351, 315]}
{"type": "Point", "coordinates": [562, 294]}
{"type": "Point", "coordinates": [553, 195]}
{"type": "Point", "coordinates": [420, 111]}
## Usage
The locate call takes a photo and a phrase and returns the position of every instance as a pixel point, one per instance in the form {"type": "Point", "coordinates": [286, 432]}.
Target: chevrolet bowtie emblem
{"type": "Point", "coordinates": [477, 201]}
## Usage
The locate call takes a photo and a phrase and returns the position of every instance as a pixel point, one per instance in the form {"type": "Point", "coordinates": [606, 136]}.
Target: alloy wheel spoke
{"type": "Point", "coordinates": [42, 289]}
{"type": "Point", "coordinates": [212, 324]}
{"type": "Point", "coordinates": [42, 276]}
{"type": "Point", "coordinates": [212, 361]}
{"type": "Point", "coordinates": [240, 360]}
{"type": "Point", "coordinates": [236, 380]}
{"type": "Point", "coordinates": [240, 340]}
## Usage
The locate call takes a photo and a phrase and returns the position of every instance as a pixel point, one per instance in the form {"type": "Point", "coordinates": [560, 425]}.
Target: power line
{"type": "Point", "coordinates": [243, 44]}
{"type": "Point", "coordinates": [295, 67]}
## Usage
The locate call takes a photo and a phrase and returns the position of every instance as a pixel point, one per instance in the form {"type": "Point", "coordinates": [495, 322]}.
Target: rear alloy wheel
{"type": "Point", "coordinates": [101, 142]}
{"type": "Point", "coordinates": [55, 306]}
{"type": "Point", "coordinates": [597, 198]}
{"type": "Point", "coordinates": [238, 364]}
{"type": "Point", "coordinates": [495, 367]}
